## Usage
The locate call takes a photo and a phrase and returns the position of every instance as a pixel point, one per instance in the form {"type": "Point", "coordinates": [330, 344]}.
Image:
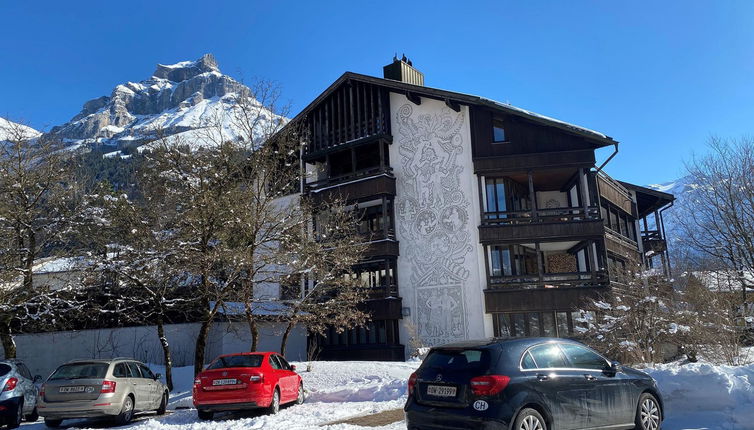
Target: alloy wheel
{"type": "Point", "coordinates": [531, 423]}
{"type": "Point", "coordinates": [300, 398]}
{"type": "Point", "coordinates": [128, 409]}
{"type": "Point", "coordinates": [649, 415]}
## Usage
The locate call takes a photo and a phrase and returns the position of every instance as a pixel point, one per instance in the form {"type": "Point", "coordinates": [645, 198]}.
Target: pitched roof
{"type": "Point", "coordinates": [467, 99]}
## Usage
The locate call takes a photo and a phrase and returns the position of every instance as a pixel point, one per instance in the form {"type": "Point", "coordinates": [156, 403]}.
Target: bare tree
{"type": "Point", "coordinates": [718, 214]}
{"type": "Point", "coordinates": [37, 197]}
{"type": "Point", "coordinates": [634, 321]}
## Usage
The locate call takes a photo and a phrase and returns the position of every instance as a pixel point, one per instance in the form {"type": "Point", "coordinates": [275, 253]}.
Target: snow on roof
{"type": "Point", "coordinates": [260, 308]}
{"type": "Point", "coordinates": [725, 280]}
{"type": "Point", "coordinates": [60, 264]}
{"type": "Point", "coordinates": [544, 117]}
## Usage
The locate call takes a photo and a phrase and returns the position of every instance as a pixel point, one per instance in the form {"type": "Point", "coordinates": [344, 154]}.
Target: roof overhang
{"type": "Point", "coordinates": [647, 199]}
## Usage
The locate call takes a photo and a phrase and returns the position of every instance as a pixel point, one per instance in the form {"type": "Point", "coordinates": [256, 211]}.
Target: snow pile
{"type": "Point", "coordinates": [364, 381]}
{"type": "Point", "coordinates": [706, 396]}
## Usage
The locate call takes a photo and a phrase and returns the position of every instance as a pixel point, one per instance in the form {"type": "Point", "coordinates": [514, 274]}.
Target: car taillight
{"type": "Point", "coordinates": [108, 387]}
{"type": "Point", "coordinates": [489, 385]}
{"type": "Point", "coordinates": [411, 383]}
{"type": "Point", "coordinates": [256, 378]}
{"type": "Point", "coordinates": [10, 384]}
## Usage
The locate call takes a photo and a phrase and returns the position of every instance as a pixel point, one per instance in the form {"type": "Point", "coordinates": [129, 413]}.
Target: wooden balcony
{"type": "Point", "coordinates": [621, 245]}
{"type": "Point", "coordinates": [382, 248]}
{"type": "Point", "coordinates": [356, 186]}
{"type": "Point", "coordinates": [541, 299]}
{"type": "Point", "coordinates": [616, 193]}
{"type": "Point", "coordinates": [384, 308]}
{"type": "Point", "coordinates": [542, 225]}
{"type": "Point", "coordinates": [653, 241]}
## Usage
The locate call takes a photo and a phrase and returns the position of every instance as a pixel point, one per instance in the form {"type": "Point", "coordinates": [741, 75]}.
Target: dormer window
{"type": "Point", "coordinates": [498, 131]}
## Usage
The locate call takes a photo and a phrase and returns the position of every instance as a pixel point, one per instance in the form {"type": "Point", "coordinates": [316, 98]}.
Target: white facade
{"type": "Point", "coordinates": [441, 264]}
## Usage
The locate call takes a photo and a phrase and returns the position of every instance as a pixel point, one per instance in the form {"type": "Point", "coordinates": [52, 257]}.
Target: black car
{"type": "Point", "coordinates": [528, 384]}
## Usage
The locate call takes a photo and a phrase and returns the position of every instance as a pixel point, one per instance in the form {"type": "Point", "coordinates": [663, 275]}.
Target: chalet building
{"type": "Point", "coordinates": [483, 219]}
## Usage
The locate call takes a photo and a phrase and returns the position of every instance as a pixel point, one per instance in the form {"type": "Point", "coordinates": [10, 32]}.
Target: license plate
{"type": "Point", "coordinates": [224, 382]}
{"type": "Point", "coordinates": [72, 389]}
{"type": "Point", "coordinates": [441, 391]}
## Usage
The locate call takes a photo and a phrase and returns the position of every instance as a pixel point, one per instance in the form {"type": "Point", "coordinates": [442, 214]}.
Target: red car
{"type": "Point", "coordinates": [248, 380]}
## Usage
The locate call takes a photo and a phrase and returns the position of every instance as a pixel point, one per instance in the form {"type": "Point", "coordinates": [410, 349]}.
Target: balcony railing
{"type": "Point", "coordinates": [352, 176]}
{"type": "Point", "coordinates": [549, 280]}
{"type": "Point", "coordinates": [383, 291]}
{"type": "Point", "coordinates": [541, 215]}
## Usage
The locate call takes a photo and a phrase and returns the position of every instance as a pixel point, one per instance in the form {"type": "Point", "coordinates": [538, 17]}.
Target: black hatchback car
{"type": "Point", "coordinates": [528, 384]}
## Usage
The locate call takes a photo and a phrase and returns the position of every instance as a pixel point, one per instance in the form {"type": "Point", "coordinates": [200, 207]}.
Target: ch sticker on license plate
{"type": "Point", "coordinates": [441, 391]}
{"type": "Point", "coordinates": [224, 382]}
{"type": "Point", "coordinates": [78, 389]}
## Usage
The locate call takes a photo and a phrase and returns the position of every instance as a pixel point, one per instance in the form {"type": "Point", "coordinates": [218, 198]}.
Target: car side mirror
{"type": "Point", "coordinates": [157, 376]}
{"type": "Point", "coordinates": [37, 378]}
{"type": "Point", "coordinates": [614, 367]}
{"type": "Point", "coordinates": [293, 367]}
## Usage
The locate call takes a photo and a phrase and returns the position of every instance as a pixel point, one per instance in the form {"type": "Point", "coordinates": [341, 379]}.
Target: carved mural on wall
{"type": "Point", "coordinates": [433, 220]}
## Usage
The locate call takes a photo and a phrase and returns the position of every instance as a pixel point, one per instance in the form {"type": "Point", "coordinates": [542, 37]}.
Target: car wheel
{"type": "Point", "coordinates": [163, 404]}
{"type": "Point", "coordinates": [126, 412]}
{"type": "Point", "coordinates": [300, 397]}
{"type": "Point", "coordinates": [205, 415]}
{"type": "Point", "coordinates": [33, 416]}
{"type": "Point", "coordinates": [52, 423]}
{"type": "Point", "coordinates": [15, 421]}
{"type": "Point", "coordinates": [275, 403]}
{"type": "Point", "coordinates": [648, 413]}
{"type": "Point", "coordinates": [530, 419]}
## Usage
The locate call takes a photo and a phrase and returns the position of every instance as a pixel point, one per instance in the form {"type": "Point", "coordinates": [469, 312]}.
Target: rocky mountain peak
{"type": "Point", "coordinates": [187, 69]}
{"type": "Point", "coordinates": [177, 98]}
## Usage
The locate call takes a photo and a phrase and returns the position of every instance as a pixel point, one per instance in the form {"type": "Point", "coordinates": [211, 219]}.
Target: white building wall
{"type": "Point", "coordinates": [43, 352]}
{"type": "Point", "coordinates": [440, 269]}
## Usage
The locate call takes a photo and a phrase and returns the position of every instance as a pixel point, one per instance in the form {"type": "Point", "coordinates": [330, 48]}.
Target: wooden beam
{"type": "Point", "coordinates": [453, 105]}
{"type": "Point", "coordinates": [413, 98]}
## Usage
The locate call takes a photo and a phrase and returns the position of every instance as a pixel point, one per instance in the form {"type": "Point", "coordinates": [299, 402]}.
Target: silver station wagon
{"type": "Point", "coordinates": [115, 388]}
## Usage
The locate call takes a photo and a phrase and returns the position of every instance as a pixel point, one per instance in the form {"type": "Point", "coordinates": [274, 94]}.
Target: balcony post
{"type": "Point", "coordinates": [382, 155]}
{"type": "Point", "coordinates": [532, 197]}
{"type": "Point", "coordinates": [384, 217]}
{"type": "Point", "coordinates": [584, 192]}
{"type": "Point", "coordinates": [540, 268]}
{"type": "Point", "coordinates": [591, 257]}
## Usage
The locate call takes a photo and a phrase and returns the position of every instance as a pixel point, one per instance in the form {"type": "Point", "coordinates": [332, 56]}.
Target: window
{"type": "Point", "coordinates": [135, 373]}
{"type": "Point", "coordinates": [283, 363]}
{"type": "Point", "coordinates": [24, 371]}
{"type": "Point", "coordinates": [251, 360]}
{"type": "Point", "coordinates": [121, 371]}
{"type": "Point", "coordinates": [527, 362]}
{"type": "Point", "coordinates": [453, 359]}
{"type": "Point", "coordinates": [145, 372]}
{"type": "Point", "coordinates": [496, 203]}
{"type": "Point", "coordinates": [498, 131]}
{"type": "Point", "coordinates": [274, 362]}
{"type": "Point", "coordinates": [582, 358]}
{"type": "Point", "coordinates": [500, 261]}
{"type": "Point", "coordinates": [548, 356]}
{"type": "Point", "coordinates": [534, 324]}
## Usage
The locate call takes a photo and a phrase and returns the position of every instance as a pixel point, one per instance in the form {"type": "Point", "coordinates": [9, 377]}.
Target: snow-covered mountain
{"type": "Point", "coordinates": [678, 187]}
{"type": "Point", "coordinates": [179, 98]}
{"type": "Point", "coordinates": [13, 130]}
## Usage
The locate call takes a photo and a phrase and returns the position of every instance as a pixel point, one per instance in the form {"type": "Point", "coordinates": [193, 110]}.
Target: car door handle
{"type": "Point", "coordinates": [589, 377]}
{"type": "Point", "coordinates": [542, 377]}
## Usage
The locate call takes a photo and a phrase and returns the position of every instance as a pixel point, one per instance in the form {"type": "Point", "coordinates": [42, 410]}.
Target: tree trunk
{"type": "Point", "coordinates": [31, 237]}
{"type": "Point", "coordinates": [284, 340]}
{"type": "Point", "coordinates": [165, 352]}
{"type": "Point", "coordinates": [9, 345]}
{"type": "Point", "coordinates": [253, 328]}
{"type": "Point", "coordinates": [201, 339]}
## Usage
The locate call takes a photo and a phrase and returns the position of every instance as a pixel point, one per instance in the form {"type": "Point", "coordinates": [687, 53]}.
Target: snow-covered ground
{"type": "Point", "coordinates": [697, 396]}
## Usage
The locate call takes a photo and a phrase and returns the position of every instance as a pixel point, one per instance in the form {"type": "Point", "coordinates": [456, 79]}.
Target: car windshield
{"type": "Point", "coordinates": [4, 369]}
{"type": "Point", "coordinates": [237, 361]}
{"type": "Point", "coordinates": [458, 359]}
{"type": "Point", "coordinates": [80, 371]}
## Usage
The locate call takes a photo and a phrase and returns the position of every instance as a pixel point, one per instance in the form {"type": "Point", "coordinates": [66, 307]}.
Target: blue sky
{"type": "Point", "coordinates": [659, 78]}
